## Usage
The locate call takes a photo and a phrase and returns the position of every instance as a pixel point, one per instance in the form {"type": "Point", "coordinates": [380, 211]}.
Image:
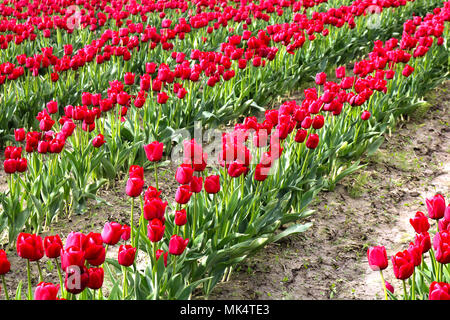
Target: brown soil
{"type": "Point", "coordinates": [328, 261]}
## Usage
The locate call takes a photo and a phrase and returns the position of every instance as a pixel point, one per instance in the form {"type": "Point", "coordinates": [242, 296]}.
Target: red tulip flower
{"type": "Point", "coordinates": [72, 256]}
{"type": "Point", "coordinates": [365, 115]}
{"type": "Point", "coordinates": [424, 241]}
{"type": "Point", "coordinates": [126, 255]}
{"type": "Point", "coordinates": [155, 230]}
{"type": "Point", "coordinates": [5, 265]}
{"type": "Point", "coordinates": [403, 265]}
{"type": "Point", "coordinates": [154, 208]}
{"type": "Point", "coordinates": [177, 245]}
{"type": "Point", "coordinates": [19, 134]}
{"type": "Point", "coordinates": [196, 184]}
{"type": "Point", "coordinates": [160, 252]}
{"type": "Point", "coordinates": [126, 232]}
{"type": "Point", "coordinates": [29, 246]}
{"type": "Point", "coordinates": [441, 245]}
{"type": "Point", "coordinates": [112, 231]}
{"type": "Point", "coordinates": [313, 141]}
{"type": "Point", "coordinates": [53, 246]}
{"type": "Point", "coordinates": [96, 276]}
{"type": "Point", "coordinates": [77, 279]}
{"type": "Point", "coordinates": [93, 246]}
{"type": "Point", "coordinates": [46, 291]}
{"type": "Point", "coordinates": [98, 141]}
{"type": "Point", "coordinates": [183, 194]}
{"type": "Point", "coordinates": [184, 174]}
{"type": "Point", "coordinates": [420, 222]}
{"type": "Point", "coordinates": [415, 250]}
{"type": "Point", "coordinates": [212, 184]}
{"type": "Point", "coordinates": [377, 258]}
{"type": "Point", "coordinates": [439, 291]}
{"type": "Point", "coordinates": [134, 187]}
{"type": "Point", "coordinates": [154, 151]}
{"type": "Point", "coordinates": [236, 169]}
{"type": "Point", "coordinates": [436, 207]}
{"type": "Point", "coordinates": [180, 217]}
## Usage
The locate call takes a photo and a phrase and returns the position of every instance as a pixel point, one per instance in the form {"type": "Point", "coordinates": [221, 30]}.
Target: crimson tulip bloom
{"type": "Point", "coordinates": [162, 97]}
{"type": "Point", "coordinates": [96, 276]}
{"type": "Point", "coordinates": [151, 192]}
{"type": "Point", "coordinates": [180, 217]}
{"type": "Point", "coordinates": [365, 115]}
{"type": "Point", "coordinates": [155, 230]}
{"type": "Point", "coordinates": [261, 172]}
{"type": "Point", "coordinates": [134, 187]}
{"type": "Point", "coordinates": [129, 78]}
{"type": "Point", "coordinates": [160, 252]}
{"type": "Point", "coordinates": [389, 287]}
{"type": "Point", "coordinates": [415, 250]}
{"type": "Point", "coordinates": [29, 246]}
{"type": "Point", "coordinates": [154, 208]}
{"type": "Point", "coordinates": [76, 279]}
{"type": "Point", "coordinates": [321, 78]}
{"type": "Point", "coordinates": [424, 241]}
{"type": "Point", "coordinates": [75, 239]}
{"type": "Point", "coordinates": [313, 141]}
{"type": "Point", "coordinates": [377, 258]}
{"type": "Point", "coordinates": [407, 70]}
{"type": "Point", "coordinates": [136, 171]}
{"type": "Point", "coordinates": [441, 245]}
{"type": "Point", "coordinates": [98, 141]}
{"type": "Point", "coordinates": [5, 265]}
{"type": "Point", "coordinates": [10, 165]}
{"type": "Point", "coordinates": [212, 184]}
{"type": "Point", "coordinates": [126, 255]}
{"type": "Point", "coordinates": [447, 213]}
{"type": "Point", "coordinates": [93, 246]}
{"type": "Point", "coordinates": [72, 256]}
{"type": "Point", "coordinates": [184, 174]}
{"type": "Point", "coordinates": [154, 151]}
{"type": "Point", "coordinates": [183, 194]}
{"type": "Point", "coordinates": [177, 245]}
{"type": "Point", "coordinates": [112, 231]}
{"type": "Point", "coordinates": [318, 122]}
{"type": "Point", "coordinates": [300, 136]}
{"type": "Point", "coordinates": [436, 207]}
{"type": "Point", "coordinates": [52, 107]}
{"type": "Point", "coordinates": [196, 184]}
{"type": "Point", "coordinates": [439, 291]}
{"type": "Point", "coordinates": [340, 72]}
{"type": "Point", "coordinates": [403, 265]}
{"type": "Point", "coordinates": [46, 291]}
{"type": "Point", "coordinates": [420, 222]}
{"type": "Point", "coordinates": [53, 246]}
{"type": "Point", "coordinates": [126, 232]}
{"type": "Point", "coordinates": [19, 134]}
{"type": "Point", "coordinates": [236, 169]}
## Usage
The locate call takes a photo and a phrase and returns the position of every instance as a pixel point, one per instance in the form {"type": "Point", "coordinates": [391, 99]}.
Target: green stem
{"type": "Point", "coordinates": [61, 283]}
{"type": "Point", "coordinates": [131, 222]}
{"type": "Point", "coordinates": [4, 287]}
{"type": "Point", "coordinates": [156, 175]}
{"type": "Point", "coordinates": [125, 282]}
{"type": "Point", "coordinates": [384, 286]}
{"type": "Point", "coordinates": [30, 294]}
{"type": "Point", "coordinates": [41, 278]}
{"type": "Point", "coordinates": [405, 294]}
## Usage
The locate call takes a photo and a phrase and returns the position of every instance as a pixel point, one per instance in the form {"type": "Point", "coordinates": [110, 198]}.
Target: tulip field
{"type": "Point", "coordinates": [162, 126]}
